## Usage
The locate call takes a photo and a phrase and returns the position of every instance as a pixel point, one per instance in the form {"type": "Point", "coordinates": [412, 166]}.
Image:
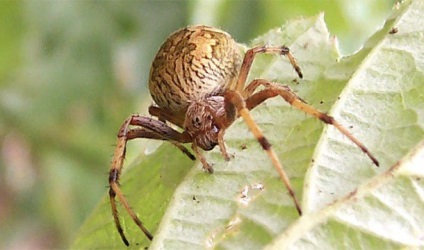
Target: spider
{"type": "Point", "coordinates": [197, 81]}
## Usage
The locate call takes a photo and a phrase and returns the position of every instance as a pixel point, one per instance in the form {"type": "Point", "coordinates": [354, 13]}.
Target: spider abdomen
{"type": "Point", "coordinates": [193, 63]}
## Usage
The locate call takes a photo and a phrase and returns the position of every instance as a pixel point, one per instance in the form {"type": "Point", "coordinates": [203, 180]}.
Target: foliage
{"type": "Point", "coordinates": [347, 201]}
{"type": "Point", "coordinates": [72, 71]}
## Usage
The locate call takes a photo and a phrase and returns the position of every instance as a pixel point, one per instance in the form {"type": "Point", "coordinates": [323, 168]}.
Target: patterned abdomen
{"type": "Point", "coordinates": [193, 63]}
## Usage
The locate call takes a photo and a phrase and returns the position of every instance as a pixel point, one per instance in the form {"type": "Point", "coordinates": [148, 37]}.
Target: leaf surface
{"type": "Point", "coordinates": [376, 93]}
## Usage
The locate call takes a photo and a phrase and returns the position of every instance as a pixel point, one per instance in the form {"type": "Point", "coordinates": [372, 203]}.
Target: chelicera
{"type": "Point", "coordinates": [198, 83]}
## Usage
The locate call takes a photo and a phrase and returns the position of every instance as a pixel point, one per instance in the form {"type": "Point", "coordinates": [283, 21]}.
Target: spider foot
{"type": "Point", "coordinates": [208, 168]}
{"type": "Point", "coordinates": [228, 156]}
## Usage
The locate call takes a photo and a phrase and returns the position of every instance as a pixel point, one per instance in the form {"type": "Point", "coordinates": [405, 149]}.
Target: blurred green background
{"type": "Point", "coordinates": [72, 71]}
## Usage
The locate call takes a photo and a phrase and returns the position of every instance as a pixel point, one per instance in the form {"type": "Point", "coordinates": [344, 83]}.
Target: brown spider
{"type": "Point", "coordinates": [197, 81]}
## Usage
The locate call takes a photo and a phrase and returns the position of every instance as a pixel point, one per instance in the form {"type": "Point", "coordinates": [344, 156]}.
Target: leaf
{"type": "Point", "coordinates": [244, 204]}
{"type": "Point", "coordinates": [148, 183]}
{"type": "Point", "coordinates": [385, 213]}
{"type": "Point", "coordinates": [384, 96]}
{"type": "Point", "coordinates": [219, 217]}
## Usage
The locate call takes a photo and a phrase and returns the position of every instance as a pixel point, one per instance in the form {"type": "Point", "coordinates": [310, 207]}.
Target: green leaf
{"type": "Point", "coordinates": [351, 205]}
{"type": "Point", "coordinates": [376, 93]}
{"type": "Point", "coordinates": [387, 212]}
{"type": "Point", "coordinates": [384, 97]}
{"type": "Point", "coordinates": [148, 184]}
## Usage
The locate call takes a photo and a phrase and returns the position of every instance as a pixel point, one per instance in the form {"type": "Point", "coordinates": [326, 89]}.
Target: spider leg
{"type": "Point", "coordinates": [230, 116]}
{"type": "Point", "coordinates": [143, 133]}
{"type": "Point", "coordinates": [165, 115]}
{"type": "Point", "coordinates": [237, 100]}
{"type": "Point", "coordinates": [274, 89]}
{"type": "Point", "coordinates": [206, 166]}
{"type": "Point", "coordinates": [250, 55]}
{"type": "Point", "coordinates": [222, 146]}
{"type": "Point", "coordinates": [151, 128]}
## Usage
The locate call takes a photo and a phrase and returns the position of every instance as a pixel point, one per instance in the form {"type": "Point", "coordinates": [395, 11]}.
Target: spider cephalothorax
{"type": "Point", "coordinates": [198, 82]}
{"type": "Point", "coordinates": [204, 120]}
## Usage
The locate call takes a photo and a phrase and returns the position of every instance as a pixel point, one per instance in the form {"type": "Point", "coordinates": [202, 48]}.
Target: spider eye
{"type": "Point", "coordinates": [196, 122]}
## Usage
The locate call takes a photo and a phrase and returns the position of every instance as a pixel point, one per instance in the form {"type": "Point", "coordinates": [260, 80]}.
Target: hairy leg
{"type": "Point", "coordinates": [274, 89]}
{"type": "Point", "coordinates": [150, 128]}
{"type": "Point", "coordinates": [237, 100]}
{"type": "Point", "coordinates": [250, 56]}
